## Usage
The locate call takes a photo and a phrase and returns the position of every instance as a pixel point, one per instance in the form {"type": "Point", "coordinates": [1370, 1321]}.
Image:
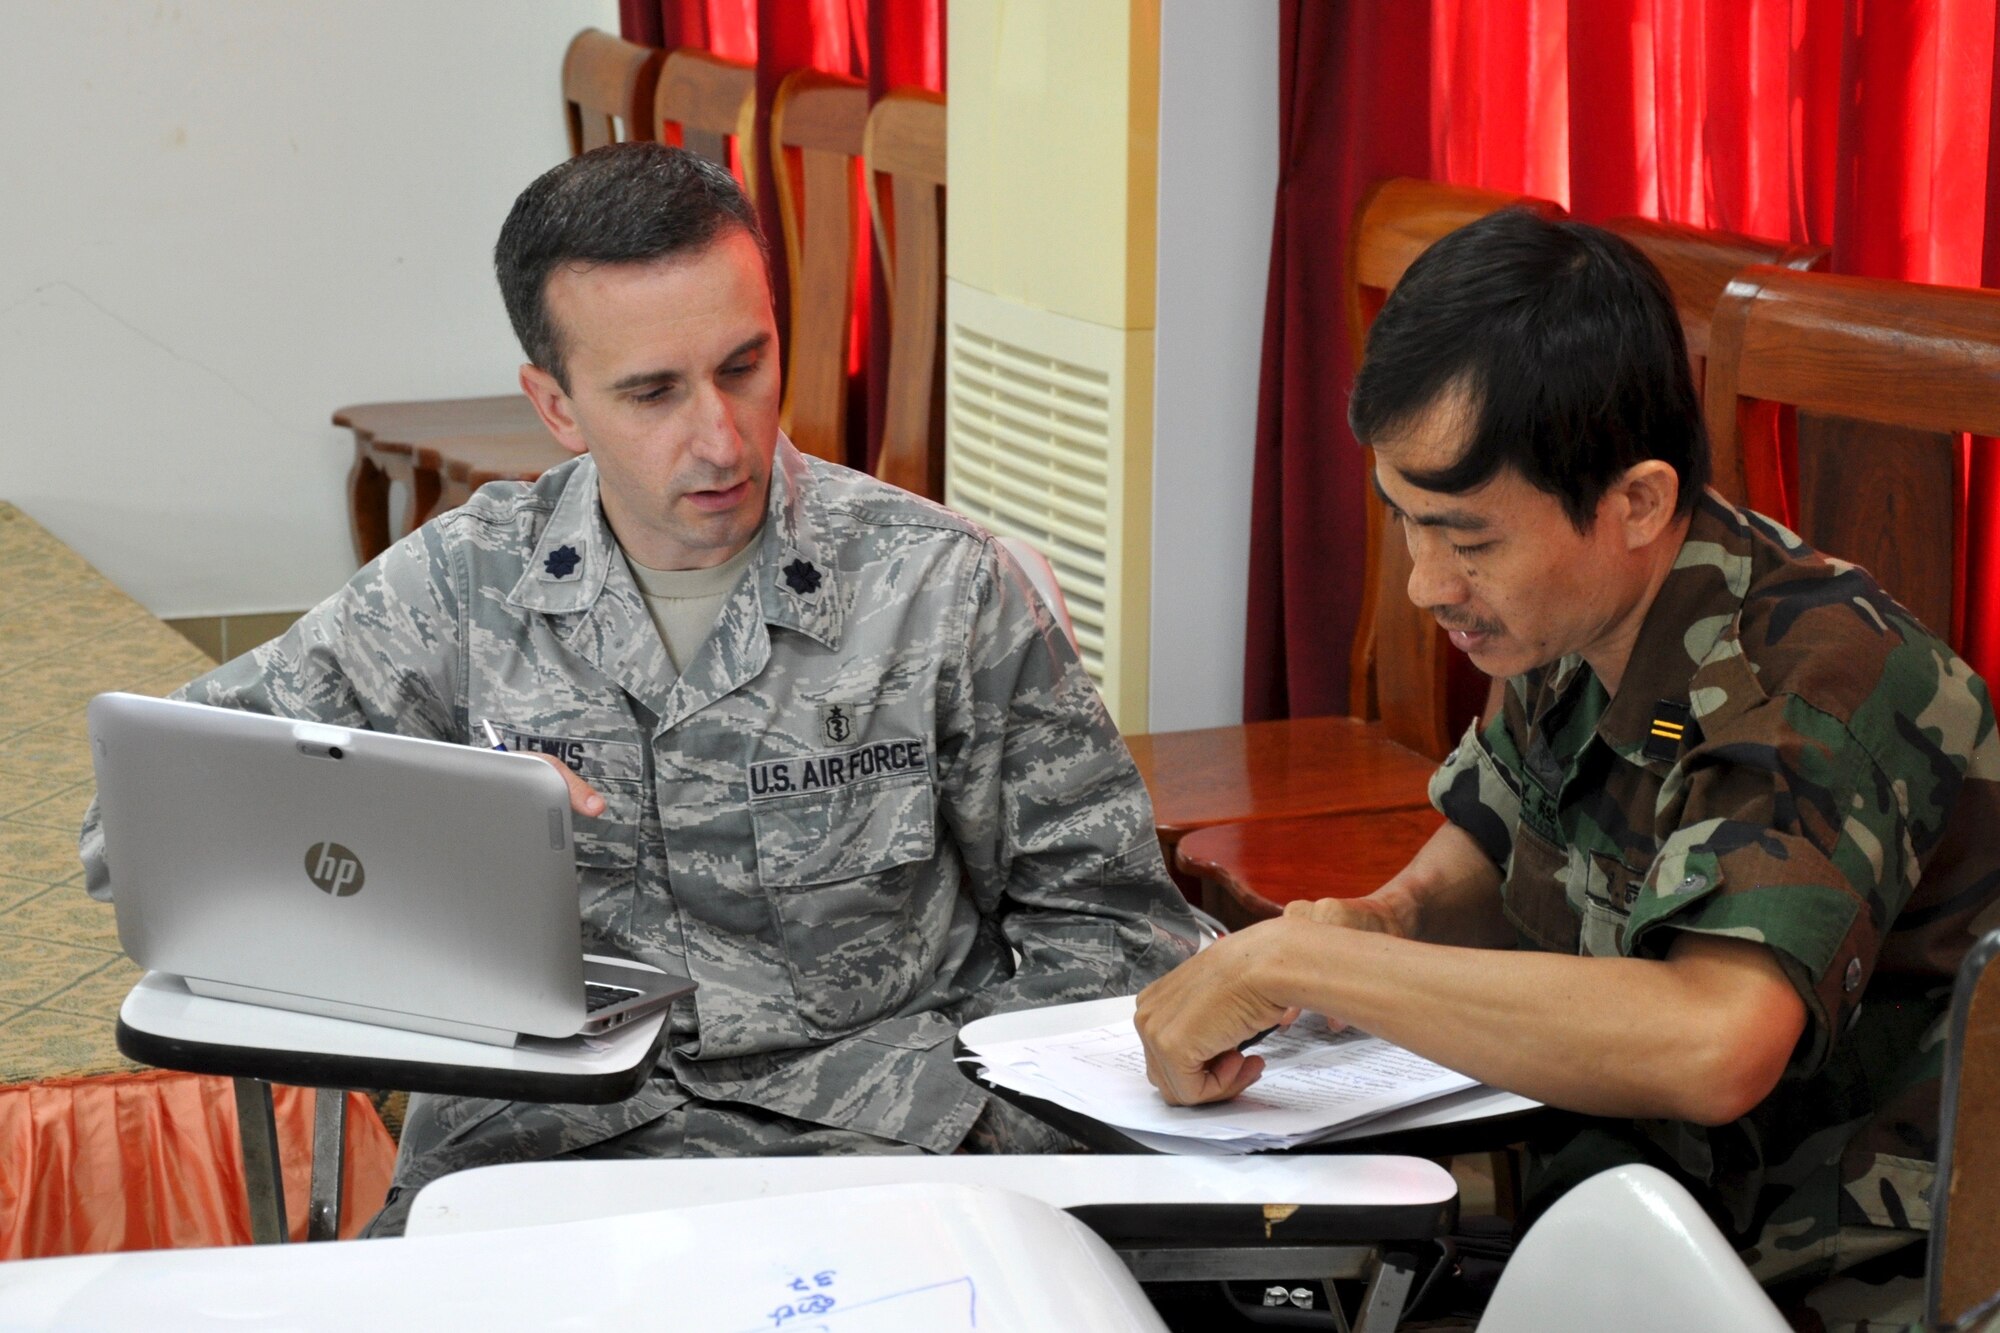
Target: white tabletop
{"type": "Point", "coordinates": [527, 1193]}
{"type": "Point", "coordinates": [880, 1260]}
{"type": "Point", "coordinates": [161, 1006]}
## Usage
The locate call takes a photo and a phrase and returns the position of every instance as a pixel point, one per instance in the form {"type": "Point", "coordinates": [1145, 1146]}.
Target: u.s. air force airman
{"type": "Point", "coordinates": [861, 793]}
{"type": "Point", "coordinates": [1708, 875]}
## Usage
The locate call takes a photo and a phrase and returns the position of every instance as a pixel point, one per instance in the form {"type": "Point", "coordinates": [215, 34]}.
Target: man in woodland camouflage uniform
{"type": "Point", "coordinates": [1708, 876]}
{"type": "Point", "coordinates": [827, 751]}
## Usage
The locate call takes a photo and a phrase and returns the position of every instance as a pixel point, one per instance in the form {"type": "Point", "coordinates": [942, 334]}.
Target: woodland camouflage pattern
{"type": "Point", "coordinates": [883, 774]}
{"type": "Point", "coordinates": [1833, 795]}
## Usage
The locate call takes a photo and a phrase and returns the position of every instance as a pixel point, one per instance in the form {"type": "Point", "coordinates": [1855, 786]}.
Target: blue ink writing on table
{"type": "Point", "coordinates": [812, 1305]}
{"type": "Point", "coordinates": [817, 1299]}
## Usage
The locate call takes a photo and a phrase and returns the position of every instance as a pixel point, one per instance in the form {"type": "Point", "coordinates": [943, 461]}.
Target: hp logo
{"type": "Point", "coordinates": [333, 869]}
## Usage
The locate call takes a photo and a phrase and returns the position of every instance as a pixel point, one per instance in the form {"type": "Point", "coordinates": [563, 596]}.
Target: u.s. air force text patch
{"type": "Point", "coordinates": [822, 772]}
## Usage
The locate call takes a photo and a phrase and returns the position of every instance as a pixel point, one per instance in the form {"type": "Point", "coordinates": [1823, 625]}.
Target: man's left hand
{"type": "Point", "coordinates": [1192, 1020]}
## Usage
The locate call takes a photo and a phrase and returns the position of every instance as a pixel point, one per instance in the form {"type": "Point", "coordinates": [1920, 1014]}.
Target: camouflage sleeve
{"type": "Point", "coordinates": [1807, 834]}
{"type": "Point", "coordinates": [1475, 788]}
{"type": "Point", "coordinates": [1048, 809]}
{"type": "Point", "coordinates": [383, 653]}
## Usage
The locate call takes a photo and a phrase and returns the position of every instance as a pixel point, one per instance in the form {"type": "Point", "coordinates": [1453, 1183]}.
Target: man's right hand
{"type": "Point", "coordinates": [583, 797]}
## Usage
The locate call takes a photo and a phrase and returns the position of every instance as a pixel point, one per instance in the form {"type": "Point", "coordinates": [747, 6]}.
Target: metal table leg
{"type": "Point", "coordinates": [263, 1177]}
{"type": "Point", "coordinates": [1388, 1291]}
{"type": "Point", "coordinates": [329, 1134]}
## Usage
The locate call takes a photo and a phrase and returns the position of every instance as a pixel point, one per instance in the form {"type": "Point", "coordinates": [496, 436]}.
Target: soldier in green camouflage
{"type": "Point", "coordinates": [1707, 876]}
{"type": "Point", "coordinates": [828, 752]}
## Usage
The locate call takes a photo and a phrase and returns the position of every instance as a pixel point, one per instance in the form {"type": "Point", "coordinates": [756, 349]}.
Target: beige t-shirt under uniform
{"type": "Point", "coordinates": [685, 602]}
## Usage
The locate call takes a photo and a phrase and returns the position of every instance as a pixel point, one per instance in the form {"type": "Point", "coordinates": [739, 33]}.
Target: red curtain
{"type": "Point", "coordinates": [1863, 125]}
{"type": "Point", "coordinates": [1353, 106]}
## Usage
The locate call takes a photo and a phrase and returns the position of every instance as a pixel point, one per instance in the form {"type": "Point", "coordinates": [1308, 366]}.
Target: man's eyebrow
{"type": "Point", "coordinates": [1453, 520]}
{"type": "Point", "coordinates": [647, 379]}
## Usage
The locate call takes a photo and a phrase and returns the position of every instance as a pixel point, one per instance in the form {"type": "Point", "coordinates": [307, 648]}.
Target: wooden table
{"type": "Point", "coordinates": [1248, 872]}
{"type": "Point", "coordinates": [386, 439]}
{"type": "Point", "coordinates": [1274, 770]}
{"type": "Point", "coordinates": [467, 462]}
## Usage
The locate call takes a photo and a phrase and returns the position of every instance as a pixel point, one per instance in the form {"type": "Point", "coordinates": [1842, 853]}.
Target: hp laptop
{"type": "Point", "coordinates": [355, 874]}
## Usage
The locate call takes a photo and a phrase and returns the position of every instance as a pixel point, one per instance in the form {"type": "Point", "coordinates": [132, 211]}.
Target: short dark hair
{"type": "Point", "coordinates": [1565, 341]}
{"type": "Point", "coordinates": [625, 203]}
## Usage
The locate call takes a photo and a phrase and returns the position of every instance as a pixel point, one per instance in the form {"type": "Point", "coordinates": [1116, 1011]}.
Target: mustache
{"type": "Point", "coordinates": [1464, 624]}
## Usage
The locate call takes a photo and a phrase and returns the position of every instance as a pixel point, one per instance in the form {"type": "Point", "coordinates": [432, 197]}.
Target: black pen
{"type": "Point", "coordinates": [1252, 1040]}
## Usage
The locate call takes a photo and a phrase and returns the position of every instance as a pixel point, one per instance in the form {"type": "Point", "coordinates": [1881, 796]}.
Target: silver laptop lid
{"type": "Point", "coordinates": [352, 870]}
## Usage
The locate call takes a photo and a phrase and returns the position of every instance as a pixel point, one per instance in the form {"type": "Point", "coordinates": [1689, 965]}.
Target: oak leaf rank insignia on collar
{"type": "Point", "coordinates": [562, 562]}
{"type": "Point", "coordinates": [802, 577]}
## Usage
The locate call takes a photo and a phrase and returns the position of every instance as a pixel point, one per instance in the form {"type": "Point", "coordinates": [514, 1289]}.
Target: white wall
{"type": "Point", "coordinates": [1217, 187]}
{"type": "Point", "coordinates": [224, 218]}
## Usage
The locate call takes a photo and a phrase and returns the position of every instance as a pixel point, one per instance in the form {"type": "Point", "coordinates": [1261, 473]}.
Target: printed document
{"type": "Point", "coordinates": [1318, 1082]}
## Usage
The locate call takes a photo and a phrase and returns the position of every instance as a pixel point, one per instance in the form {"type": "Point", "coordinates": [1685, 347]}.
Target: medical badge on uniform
{"type": "Point", "coordinates": [836, 722]}
{"type": "Point", "coordinates": [802, 578]}
{"type": "Point", "coordinates": [1668, 729]}
{"type": "Point", "coordinates": [562, 562]}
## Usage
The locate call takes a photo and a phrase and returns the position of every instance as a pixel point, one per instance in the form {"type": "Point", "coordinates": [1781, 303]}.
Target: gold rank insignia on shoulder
{"type": "Point", "coordinates": [1669, 728]}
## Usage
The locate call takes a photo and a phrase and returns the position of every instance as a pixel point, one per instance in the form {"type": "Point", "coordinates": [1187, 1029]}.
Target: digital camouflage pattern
{"type": "Point", "coordinates": [1791, 758]}
{"type": "Point", "coordinates": [883, 779]}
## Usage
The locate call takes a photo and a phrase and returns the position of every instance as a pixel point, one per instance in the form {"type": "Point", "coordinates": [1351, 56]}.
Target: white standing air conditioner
{"type": "Point", "coordinates": [1049, 258]}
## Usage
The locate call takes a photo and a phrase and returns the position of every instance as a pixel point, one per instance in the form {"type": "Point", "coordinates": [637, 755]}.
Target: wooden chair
{"type": "Point", "coordinates": [608, 84]}
{"type": "Point", "coordinates": [705, 104]}
{"type": "Point", "coordinates": [1965, 1208]}
{"type": "Point", "coordinates": [818, 123]}
{"type": "Point", "coordinates": [1882, 379]}
{"type": "Point", "coordinates": [903, 150]}
{"type": "Point", "coordinates": [608, 89]}
{"type": "Point", "coordinates": [1698, 264]}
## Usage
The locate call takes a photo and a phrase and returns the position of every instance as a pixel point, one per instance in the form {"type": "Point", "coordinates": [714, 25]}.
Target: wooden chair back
{"type": "Point", "coordinates": [818, 122]}
{"type": "Point", "coordinates": [1402, 670]}
{"type": "Point", "coordinates": [705, 103]}
{"type": "Point", "coordinates": [1965, 1210]}
{"type": "Point", "coordinates": [904, 165]}
{"type": "Point", "coordinates": [1882, 379]}
{"type": "Point", "coordinates": [608, 87]}
{"type": "Point", "coordinates": [1698, 264]}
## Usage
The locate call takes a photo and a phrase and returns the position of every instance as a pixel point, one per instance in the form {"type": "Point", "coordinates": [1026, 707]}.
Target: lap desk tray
{"type": "Point", "coordinates": [164, 1024]}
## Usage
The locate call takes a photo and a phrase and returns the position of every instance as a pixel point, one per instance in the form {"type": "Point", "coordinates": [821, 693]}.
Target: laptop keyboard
{"type": "Point", "coordinates": [597, 996]}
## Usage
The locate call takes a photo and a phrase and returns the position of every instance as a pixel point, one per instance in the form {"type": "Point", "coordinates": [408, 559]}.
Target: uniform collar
{"type": "Point", "coordinates": [799, 587]}
{"type": "Point", "coordinates": [796, 586]}
{"type": "Point", "coordinates": [1695, 610]}
{"type": "Point", "coordinates": [568, 566]}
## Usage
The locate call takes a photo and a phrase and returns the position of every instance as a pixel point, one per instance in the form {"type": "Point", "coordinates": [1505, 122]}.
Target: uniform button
{"type": "Point", "coordinates": [1692, 884]}
{"type": "Point", "coordinates": [1853, 977]}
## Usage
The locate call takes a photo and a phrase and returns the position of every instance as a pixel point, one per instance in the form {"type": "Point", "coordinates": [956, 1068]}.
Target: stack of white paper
{"type": "Point", "coordinates": [1318, 1083]}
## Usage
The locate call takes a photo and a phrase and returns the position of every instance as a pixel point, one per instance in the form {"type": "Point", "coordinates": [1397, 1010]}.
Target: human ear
{"type": "Point", "coordinates": [552, 405]}
{"type": "Point", "coordinates": [1649, 490]}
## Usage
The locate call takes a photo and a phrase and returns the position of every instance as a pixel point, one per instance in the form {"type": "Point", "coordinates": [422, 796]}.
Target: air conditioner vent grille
{"type": "Point", "coordinates": [1029, 456]}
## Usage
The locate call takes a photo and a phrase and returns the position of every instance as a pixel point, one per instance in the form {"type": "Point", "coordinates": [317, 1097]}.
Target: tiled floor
{"type": "Point", "coordinates": [65, 634]}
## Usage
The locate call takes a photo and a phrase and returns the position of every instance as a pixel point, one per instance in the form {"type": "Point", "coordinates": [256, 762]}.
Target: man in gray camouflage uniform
{"type": "Point", "coordinates": [1708, 876]}
{"type": "Point", "coordinates": [827, 751]}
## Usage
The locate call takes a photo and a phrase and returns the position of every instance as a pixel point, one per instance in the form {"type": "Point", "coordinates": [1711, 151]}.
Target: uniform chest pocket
{"type": "Point", "coordinates": [1607, 905]}
{"type": "Point", "coordinates": [1536, 894]}
{"type": "Point", "coordinates": [848, 832]}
